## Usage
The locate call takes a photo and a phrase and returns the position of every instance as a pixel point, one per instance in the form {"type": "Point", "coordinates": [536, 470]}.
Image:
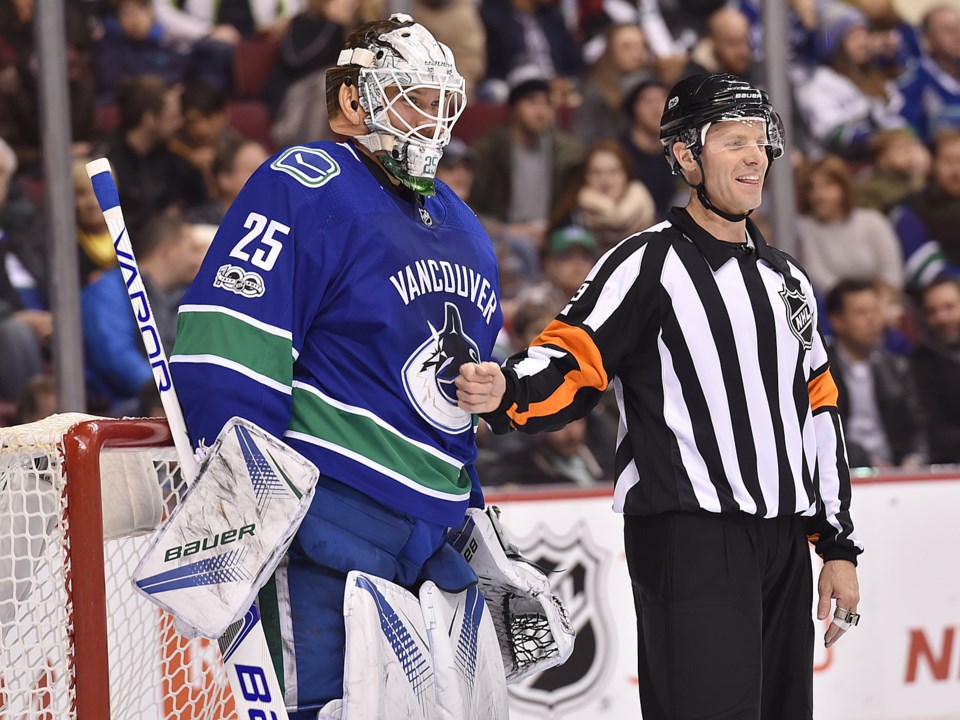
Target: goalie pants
{"type": "Point", "coordinates": [724, 619]}
{"type": "Point", "coordinates": [302, 605]}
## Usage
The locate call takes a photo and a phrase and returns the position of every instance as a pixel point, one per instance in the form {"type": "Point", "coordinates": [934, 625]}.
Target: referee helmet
{"type": "Point", "coordinates": [696, 102]}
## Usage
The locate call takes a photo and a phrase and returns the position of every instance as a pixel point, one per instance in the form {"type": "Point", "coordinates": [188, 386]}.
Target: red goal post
{"type": "Point", "coordinates": [76, 641]}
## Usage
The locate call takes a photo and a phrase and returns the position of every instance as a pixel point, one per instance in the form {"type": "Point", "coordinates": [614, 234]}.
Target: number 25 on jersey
{"type": "Point", "coordinates": [262, 232]}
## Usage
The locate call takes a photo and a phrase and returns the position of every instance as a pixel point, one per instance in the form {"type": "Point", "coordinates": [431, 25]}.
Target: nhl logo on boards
{"type": "Point", "coordinates": [799, 315]}
{"type": "Point", "coordinates": [577, 568]}
{"type": "Point", "coordinates": [425, 216]}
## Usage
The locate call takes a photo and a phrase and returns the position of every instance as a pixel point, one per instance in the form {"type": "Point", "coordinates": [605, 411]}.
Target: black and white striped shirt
{"type": "Point", "coordinates": [721, 376]}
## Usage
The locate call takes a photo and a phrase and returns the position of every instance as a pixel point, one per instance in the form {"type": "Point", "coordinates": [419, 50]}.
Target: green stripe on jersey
{"type": "Point", "coordinates": [312, 415]}
{"type": "Point", "coordinates": [215, 333]}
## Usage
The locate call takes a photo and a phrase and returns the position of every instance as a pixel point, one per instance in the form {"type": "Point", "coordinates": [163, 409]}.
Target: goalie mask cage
{"type": "Point", "coordinates": [76, 641]}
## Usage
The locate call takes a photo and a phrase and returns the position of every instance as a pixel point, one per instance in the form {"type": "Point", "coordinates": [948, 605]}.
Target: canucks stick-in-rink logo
{"type": "Point", "coordinates": [430, 372]}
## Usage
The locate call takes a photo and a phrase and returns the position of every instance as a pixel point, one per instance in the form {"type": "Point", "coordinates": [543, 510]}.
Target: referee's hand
{"type": "Point", "coordinates": [838, 580]}
{"type": "Point", "coordinates": [480, 388]}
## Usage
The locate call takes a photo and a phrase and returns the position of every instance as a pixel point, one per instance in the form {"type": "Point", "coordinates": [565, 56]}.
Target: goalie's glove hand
{"type": "Point", "coordinates": [509, 549]}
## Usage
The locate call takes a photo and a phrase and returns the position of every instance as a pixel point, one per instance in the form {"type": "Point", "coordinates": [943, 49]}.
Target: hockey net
{"type": "Point", "coordinates": [76, 641]}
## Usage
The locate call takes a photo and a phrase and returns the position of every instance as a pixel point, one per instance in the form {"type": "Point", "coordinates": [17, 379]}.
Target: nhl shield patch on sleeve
{"type": "Point", "coordinates": [224, 540]}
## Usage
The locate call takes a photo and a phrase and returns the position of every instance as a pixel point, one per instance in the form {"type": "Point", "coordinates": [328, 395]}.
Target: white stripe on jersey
{"type": "Point", "coordinates": [706, 359]}
{"type": "Point", "coordinates": [733, 289]}
{"type": "Point", "coordinates": [615, 289]}
{"type": "Point", "coordinates": [380, 422]}
{"type": "Point", "coordinates": [677, 417]}
{"type": "Point", "coordinates": [382, 469]}
{"type": "Point", "coordinates": [829, 482]}
{"type": "Point", "coordinates": [630, 475]}
{"type": "Point", "coordinates": [537, 360]}
{"type": "Point", "coordinates": [236, 367]}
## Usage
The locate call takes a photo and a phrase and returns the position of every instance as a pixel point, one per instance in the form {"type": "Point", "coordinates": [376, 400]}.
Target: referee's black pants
{"type": "Point", "coordinates": [724, 619]}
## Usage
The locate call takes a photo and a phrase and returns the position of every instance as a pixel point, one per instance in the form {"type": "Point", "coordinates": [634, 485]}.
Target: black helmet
{"type": "Point", "coordinates": [696, 102]}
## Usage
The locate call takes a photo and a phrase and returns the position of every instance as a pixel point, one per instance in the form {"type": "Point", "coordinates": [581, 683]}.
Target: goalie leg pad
{"type": "Point", "coordinates": [388, 669]}
{"type": "Point", "coordinates": [224, 540]}
{"type": "Point", "coordinates": [436, 658]}
{"type": "Point", "coordinates": [470, 681]}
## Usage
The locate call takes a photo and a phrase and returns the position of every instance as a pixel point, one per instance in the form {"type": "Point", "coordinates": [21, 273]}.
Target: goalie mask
{"type": "Point", "coordinates": [412, 95]}
{"type": "Point", "coordinates": [696, 103]}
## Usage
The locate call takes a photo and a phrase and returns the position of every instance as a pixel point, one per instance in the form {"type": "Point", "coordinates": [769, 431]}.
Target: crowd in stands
{"type": "Point", "coordinates": [558, 153]}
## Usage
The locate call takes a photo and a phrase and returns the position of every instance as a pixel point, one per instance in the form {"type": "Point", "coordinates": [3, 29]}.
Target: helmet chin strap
{"type": "Point", "coordinates": [701, 189]}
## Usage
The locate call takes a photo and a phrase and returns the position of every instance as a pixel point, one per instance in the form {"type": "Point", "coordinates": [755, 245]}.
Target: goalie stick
{"type": "Point", "coordinates": [246, 656]}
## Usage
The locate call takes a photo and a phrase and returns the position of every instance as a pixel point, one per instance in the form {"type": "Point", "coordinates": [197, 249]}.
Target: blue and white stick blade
{"type": "Point", "coordinates": [103, 185]}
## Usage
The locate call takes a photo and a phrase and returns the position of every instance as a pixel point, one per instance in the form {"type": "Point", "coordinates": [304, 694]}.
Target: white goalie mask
{"type": "Point", "coordinates": [412, 95]}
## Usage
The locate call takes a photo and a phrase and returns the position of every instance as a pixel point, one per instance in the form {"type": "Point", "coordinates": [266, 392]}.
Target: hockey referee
{"type": "Point", "coordinates": [730, 454]}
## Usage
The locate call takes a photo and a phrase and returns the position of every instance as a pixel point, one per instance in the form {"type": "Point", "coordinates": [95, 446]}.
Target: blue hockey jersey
{"type": "Point", "coordinates": [335, 314]}
{"type": "Point", "coordinates": [931, 98]}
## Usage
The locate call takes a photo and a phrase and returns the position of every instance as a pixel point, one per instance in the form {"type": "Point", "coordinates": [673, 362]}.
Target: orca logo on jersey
{"type": "Point", "coordinates": [430, 372]}
{"type": "Point", "coordinates": [799, 315]}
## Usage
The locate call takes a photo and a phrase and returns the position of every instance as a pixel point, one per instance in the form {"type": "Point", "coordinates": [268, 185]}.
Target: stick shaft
{"type": "Point", "coordinates": [108, 197]}
{"type": "Point", "coordinates": [254, 648]}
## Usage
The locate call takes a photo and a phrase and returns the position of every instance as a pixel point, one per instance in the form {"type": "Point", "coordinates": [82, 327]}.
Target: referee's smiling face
{"type": "Point", "coordinates": [735, 162]}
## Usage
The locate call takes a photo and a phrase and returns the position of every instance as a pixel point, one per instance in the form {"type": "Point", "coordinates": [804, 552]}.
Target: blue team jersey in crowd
{"type": "Point", "coordinates": [335, 314]}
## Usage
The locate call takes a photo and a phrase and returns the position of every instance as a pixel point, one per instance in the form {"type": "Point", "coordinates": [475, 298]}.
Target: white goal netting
{"type": "Point", "coordinates": [153, 672]}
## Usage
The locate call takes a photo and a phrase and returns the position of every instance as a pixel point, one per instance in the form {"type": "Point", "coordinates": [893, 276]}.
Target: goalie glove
{"type": "Point", "coordinates": [532, 624]}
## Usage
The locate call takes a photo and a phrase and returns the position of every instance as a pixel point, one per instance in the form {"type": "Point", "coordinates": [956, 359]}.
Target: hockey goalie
{"type": "Point", "coordinates": [341, 294]}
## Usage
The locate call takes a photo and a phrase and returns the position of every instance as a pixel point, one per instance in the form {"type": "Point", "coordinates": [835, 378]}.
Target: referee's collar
{"type": "Point", "coordinates": [717, 252]}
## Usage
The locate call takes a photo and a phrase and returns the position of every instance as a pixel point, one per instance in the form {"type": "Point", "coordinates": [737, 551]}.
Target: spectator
{"type": "Point", "coordinates": [528, 32]}
{"type": "Point", "coordinates": [295, 92]}
{"type": "Point", "coordinates": [133, 44]}
{"type": "Point", "coordinates": [22, 236]}
{"type": "Point", "coordinates": [150, 177]}
{"type": "Point", "coordinates": [936, 366]}
{"type": "Point", "coordinates": [20, 99]}
{"type": "Point", "coordinates": [169, 255]}
{"type": "Point", "coordinates": [726, 47]}
{"type": "Point", "coordinates": [599, 116]}
{"type": "Point", "coordinates": [643, 105]}
{"type": "Point", "coordinates": [571, 253]}
{"type": "Point", "coordinates": [522, 168]}
{"type": "Point", "coordinates": [23, 331]}
{"type": "Point", "coordinates": [878, 401]}
{"type": "Point", "coordinates": [895, 40]}
{"type": "Point", "coordinates": [838, 240]}
{"type": "Point", "coordinates": [604, 199]}
{"type": "Point", "coordinates": [899, 332]}
{"type": "Point", "coordinates": [456, 168]}
{"type": "Point", "coordinates": [458, 25]}
{"type": "Point", "coordinates": [558, 457]}
{"type": "Point", "coordinates": [204, 130]}
{"type": "Point", "coordinates": [236, 161]}
{"type": "Point", "coordinates": [900, 166]}
{"type": "Point", "coordinates": [927, 221]}
{"type": "Point", "coordinates": [847, 98]}
{"type": "Point", "coordinates": [93, 238]}
{"type": "Point", "coordinates": [931, 85]}
{"type": "Point", "coordinates": [212, 30]}
{"type": "Point", "coordinates": [226, 21]}
{"type": "Point", "coordinates": [16, 30]}
{"type": "Point", "coordinates": [37, 401]}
